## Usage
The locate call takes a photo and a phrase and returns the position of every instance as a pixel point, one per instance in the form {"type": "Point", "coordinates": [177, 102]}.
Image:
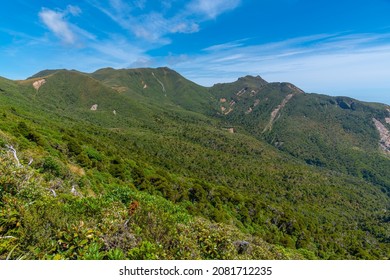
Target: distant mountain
{"type": "Point", "coordinates": [339, 133]}
{"type": "Point", "coordinates": [145, 164]}
{"type": "Point", "coordinates": [161, 85]}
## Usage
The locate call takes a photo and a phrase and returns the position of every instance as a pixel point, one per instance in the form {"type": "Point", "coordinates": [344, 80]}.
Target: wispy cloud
{"type": "Point", "coordinates": [73, 10]}
{"type": "Point", "coordinates": [118, 51]}
{"type": "Point", "coordinates": [78, 47]}
{"type": "Point", "coordinates": [154, 27]}
{"type": "Point", "coordinates": [213, 8]}
{"type": "Point", "coordinates": [327, 63]}
{"type": "Point", "coordinates": [157, 24]}
{"type": "Point", "coordinates": [56, 21]}
{"type": "Point", "coordinates": [225, 46]}
{"type": "Point", "coordinates": [91, 52]}
{"type": "Point", "coordinates": [149, 25]}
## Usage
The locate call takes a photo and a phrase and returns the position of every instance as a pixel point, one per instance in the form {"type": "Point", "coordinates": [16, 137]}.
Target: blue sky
{"type": "Point", "coordinates": [331, 47]}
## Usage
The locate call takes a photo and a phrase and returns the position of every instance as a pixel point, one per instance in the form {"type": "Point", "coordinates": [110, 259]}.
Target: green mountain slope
{"type": "Point", "coordinates": [162, 86]}
{"type": "Point", "coordinates": [338, 133]}
{"type": "Point", "coordinates": [154, 171]}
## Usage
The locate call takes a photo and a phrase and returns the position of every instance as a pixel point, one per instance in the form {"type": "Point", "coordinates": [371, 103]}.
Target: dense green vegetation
{"type": "Point", "coordinates": [337, 133]}
{"type": "Point", "coordinates": [154, 173]}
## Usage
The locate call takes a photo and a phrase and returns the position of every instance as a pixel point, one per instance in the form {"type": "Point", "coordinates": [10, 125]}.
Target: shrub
{"type": "Point", "coordinates": [53, 166]}
{"type": "Point", "coordinates": [146, 251]}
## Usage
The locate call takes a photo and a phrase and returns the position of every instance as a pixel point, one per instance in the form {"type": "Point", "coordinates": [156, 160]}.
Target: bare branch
{"type": "Point", "coordinates": [12, 149]}
{"type": "Point", "coordinates": [53, 192]}
{"type": "Point", "coordinates": [7, 237]}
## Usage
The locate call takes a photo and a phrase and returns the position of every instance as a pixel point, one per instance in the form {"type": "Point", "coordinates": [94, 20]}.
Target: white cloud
{"type": "Point", "coordinates": [184, 27]}
{"type": "Point", "coordinates": [328, 63]}
{"type": "Point", "coordinates": [73, 10]}
{"type": "Point", "coordinates": [120, 6]}
{"type": "Point", "coordinates": [57, 22]}
{"type": "Point", "coordinates": [140, 4]}
{"type": "Point", "coordinates": [58, 25]}
{"type": "Point", "coordinates": [225, 46]}
{"type": "Point", "coordinates": [213, 8]}
{"type": "Point", "coordinates": [156, 25]}
{"type": "Point", "coordinates": [91, 52]}
{"type": "Point", "coordinates": [118, 50]}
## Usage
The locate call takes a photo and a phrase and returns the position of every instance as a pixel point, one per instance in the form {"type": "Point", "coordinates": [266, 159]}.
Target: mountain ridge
{"type": "Point", "coordinates": [297, 175]}
{"type": "Point", "coordinates": [253, 79]}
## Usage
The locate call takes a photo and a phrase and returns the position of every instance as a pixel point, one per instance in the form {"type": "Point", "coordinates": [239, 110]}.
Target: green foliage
{"type": "Point", "coordinates": [146, 251]}
{"type": "Point", "coordinates": [53, 166]}
{"type": "Point", "coordinates": [73, 147]}
{"type": "Point", "coordinates": [94, 155]}
{"type": "Point", "coordinates": [116, 254]}
{"type": "Point", "coordinates": [214, 243]}
{"type": "Point", "coordinates": [163, 178]}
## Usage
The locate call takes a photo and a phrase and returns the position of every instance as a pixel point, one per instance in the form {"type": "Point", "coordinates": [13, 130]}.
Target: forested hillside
{"type": "Point", "coordinates": [144, 164]}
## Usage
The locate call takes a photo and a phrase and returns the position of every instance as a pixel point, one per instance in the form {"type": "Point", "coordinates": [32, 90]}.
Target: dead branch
{"type": "Point", "coordinates": [12, 149]}
{"type": "Point", "coordinates": [53, 192]}
{"type": "Point", "coordinates": [7, 237]}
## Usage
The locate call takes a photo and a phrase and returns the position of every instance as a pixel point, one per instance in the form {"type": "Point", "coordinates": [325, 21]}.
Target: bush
{"type": "Point", "coordinates": [116, 254]}
{"type": "Point", "coordinates": [53, 166]}
{"type": "Point", "coordinates": [146, 251]}
{"type": "Point", "coordinates": [74, 148]}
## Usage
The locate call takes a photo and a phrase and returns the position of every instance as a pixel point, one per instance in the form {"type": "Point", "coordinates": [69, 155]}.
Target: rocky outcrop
{"type": "Point", "coordinates": [94, 107]}
{"type": "Point", "coordinates": [384, 133]}
{"type": "Point", "coordinates": [294, 88]}
{"type": "Point", "coordinates": [241, 92]}
{"type": "Point", "coordinates": [162, 85]}
{"type": "Point", "coordinates": [229, 107]}
{"type": "Point", "coordinates": [39, 83]}
{"type": "Point", "coordinates": [276, 111]}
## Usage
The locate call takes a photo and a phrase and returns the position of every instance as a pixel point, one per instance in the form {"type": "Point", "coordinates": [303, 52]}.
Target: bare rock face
{"type": "Point", "coordinates": [276, 111]}
{"type": "Point", "coordinates": [94, 107]}
{"type": "Point", "coordinates": [39, 83]}
{"type": "Point", "coordinates": [293, 88]}
{"type": "Point", "coordinates": [388, 119]}
{"type": "Point", "coordinates": [384, 135]}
